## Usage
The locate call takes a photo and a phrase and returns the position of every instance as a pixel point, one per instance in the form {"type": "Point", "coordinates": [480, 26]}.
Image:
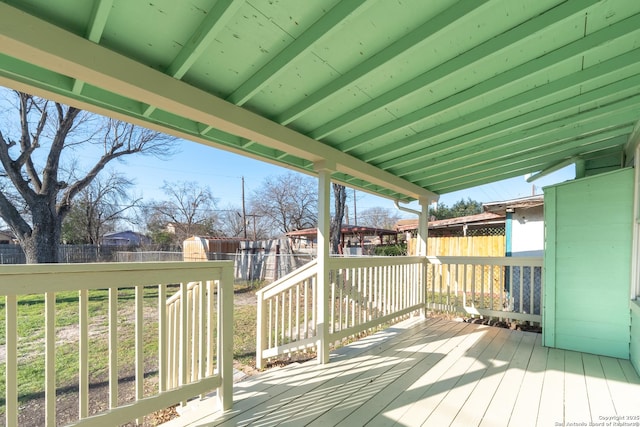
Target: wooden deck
{"type": "Point", "coordinates": [436, 373]}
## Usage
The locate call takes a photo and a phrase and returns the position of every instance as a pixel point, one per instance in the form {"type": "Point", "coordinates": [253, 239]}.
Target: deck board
{"type": "Point", "coordinates": [433, 372]}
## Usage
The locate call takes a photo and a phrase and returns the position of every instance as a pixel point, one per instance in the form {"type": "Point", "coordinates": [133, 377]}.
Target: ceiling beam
{"type": "Point", "coordinates": [34, 41]}
{"type": "Point", "coordinates": [299, 46]}
{"type": "Point", "coordinates": [419, 35]}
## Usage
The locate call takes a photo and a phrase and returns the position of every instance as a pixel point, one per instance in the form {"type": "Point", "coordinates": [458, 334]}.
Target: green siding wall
{"type": "Point", "coordinates": [635, 335]}
{"type": "Point", "coordinates": [588, 264]}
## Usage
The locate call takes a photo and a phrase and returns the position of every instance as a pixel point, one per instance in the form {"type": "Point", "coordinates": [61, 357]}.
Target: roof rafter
{"type": "Point", "coordinates": [619, 114]}
{"type": "Point", "coordinates": [541, 156]}
{"type": "Point", "coordinates": [419, 35]}
{"type": "Point", "coordinates": [214, 21]}
{"type": "Point", "coordinates": [32, 40]}
{"type": "Point", "coordinates": [513, 105]}
{"type": "Point", "coordinates": [299, 46]}
{"type": "Point", "coordinates": [443, 70]}
{"type": "Point", "coordinates": [97, 22]}
{"type": "Point", "coordinates": [522, 124]}
{"type": "Point", "coordinates": [510, 77]}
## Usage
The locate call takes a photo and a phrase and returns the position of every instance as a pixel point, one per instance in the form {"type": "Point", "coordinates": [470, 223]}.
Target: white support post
{"type": "Point", "coordinates": [225, 340]}
{"type": "Point", "coordinates": [421, 249]}
{"type": "Point", "coordinates": [322, 297]}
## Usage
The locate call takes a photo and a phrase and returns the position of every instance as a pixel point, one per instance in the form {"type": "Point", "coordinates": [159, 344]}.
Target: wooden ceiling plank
{"type": "Point", "coordinates": [527, 123]}
{"type": "Point", "coordinates": [577, 48]}
{"type": "Point", "coordinates": [515, 103]}
{"type": "Point", "coordinates": [298, 47]}
{"type": "Point", "coordinates": [535, 158]}
{"type": "Point", "coordinates": [441, 71]}
{"type": "Point", "coordinates": [621, 114]}
{"type": "Point", "coordinates": [398, 47]}
{"type": "Point", "coordinates": [40, 43]}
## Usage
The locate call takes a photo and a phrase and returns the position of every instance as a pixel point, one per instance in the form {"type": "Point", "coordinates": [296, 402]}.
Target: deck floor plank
{"type": "Point", "coordinates": [499, 411]}
{"type": "Point", "coordinates": [450, 406]}
{"type": "Point", "coordinates": [434, 372]}
{"type": "Point", "coordinates": [525, 410]}
{"type": "Point", "coordinates": [428, 403]}
{"type": "Point", "coordinates": [576, 399]}
{"type": "Point", "coordinates": [551, 408]}
{"type": "Point", "coordinates": [378, 394]}
{"type": "Point", "coordinates": [421, 396]}
{"type": "Point", "coordinates": [474, 408]}
{"type": "Point", "coordinates": [600, 400]}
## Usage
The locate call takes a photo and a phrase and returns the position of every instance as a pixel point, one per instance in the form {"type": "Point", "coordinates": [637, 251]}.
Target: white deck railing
{"type": "Point", "coordinates": [366, 292]}
{"type": "Point", "coordinates": [208, 334]}
{"type": "Point", "coordinates": [502, 287]}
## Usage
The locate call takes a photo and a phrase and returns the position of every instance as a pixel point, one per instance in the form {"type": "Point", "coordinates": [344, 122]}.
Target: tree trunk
{"type": "Point", "coordinates": [340, 194]}
{"type": "Point", "coordinates": [41, 246]}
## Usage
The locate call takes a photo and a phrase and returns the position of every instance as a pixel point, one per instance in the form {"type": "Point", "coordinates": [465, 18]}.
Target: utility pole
{"type": "Point", "coordinates": [244, 214]}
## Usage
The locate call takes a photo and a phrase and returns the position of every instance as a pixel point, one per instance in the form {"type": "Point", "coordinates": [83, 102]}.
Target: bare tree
{"type": "Point", "coordinates": [289, 202]}
{"type": "Point", "coordinates": [188, 211]}
{"type": "Point", "coordinates": [42, 178]}
{"type": "Point", "coordinates": [98, 208]}
{"type": "Point", "coordinates": [380, 218]}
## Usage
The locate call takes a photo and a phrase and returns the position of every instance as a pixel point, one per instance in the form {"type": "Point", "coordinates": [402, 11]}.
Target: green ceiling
{"type": "Point", "coordinates": [401, 98]}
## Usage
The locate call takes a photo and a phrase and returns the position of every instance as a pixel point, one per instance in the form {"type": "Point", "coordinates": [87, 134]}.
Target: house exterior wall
{"type": "Point", "coordinates": [635, 335]}
{"type": "Point", "coordinates": [588, 264]}
{"type": "Point", "coordinates": [527, 228]}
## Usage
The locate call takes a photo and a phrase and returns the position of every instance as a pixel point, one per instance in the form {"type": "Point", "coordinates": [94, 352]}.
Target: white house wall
{"type": "Point", "coordinates": [527, 232]}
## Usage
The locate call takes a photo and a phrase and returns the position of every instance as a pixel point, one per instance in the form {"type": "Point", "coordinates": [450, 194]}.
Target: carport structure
{"type": "Point", "coordinates": [407, 100]}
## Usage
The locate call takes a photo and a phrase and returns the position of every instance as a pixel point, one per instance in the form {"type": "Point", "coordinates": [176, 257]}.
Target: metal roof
{"type": "Point", "coordinates": [401, 98]}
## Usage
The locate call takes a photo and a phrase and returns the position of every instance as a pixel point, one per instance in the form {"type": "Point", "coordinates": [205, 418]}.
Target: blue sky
{"type": "Point", "coordinates": [223, 171]}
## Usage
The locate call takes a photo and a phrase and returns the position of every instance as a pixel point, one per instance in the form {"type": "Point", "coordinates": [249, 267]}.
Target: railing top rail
{"type": "Point", "coordinates": [373, 261]}
{"type": "Point", "coordinates": [301, 273]}
{"type": "Point", "coordinates": [500, 261]}
{"type": "Point", "coordinates": [40, 278]}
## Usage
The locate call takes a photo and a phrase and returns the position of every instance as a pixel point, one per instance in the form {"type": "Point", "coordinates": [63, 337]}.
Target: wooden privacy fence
{"type": "Point", "coordinates": [462, 246]}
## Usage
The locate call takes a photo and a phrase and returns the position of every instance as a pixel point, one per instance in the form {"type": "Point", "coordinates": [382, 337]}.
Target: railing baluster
{"type": "Point", "coordinates": [163, 336]}
{"type": "Point", "coordinates": [139, 340]}
{"type": "Point", "coordinates": [11, 373]}
{"type": "Point", "coordinates": [113, 348]}
{"type": "Point", "coordinates": [50, 358]}
{"type": "Point", "coordinates": [83, 356]}
{"type": "Point", "coordinates": [202, 336]}
{"type": "Point", "coordinates": [211, 327]}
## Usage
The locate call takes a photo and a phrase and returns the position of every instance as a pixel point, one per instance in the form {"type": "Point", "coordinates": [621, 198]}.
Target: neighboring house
{"type": "Point", "coordinates": [6, 237]}
{"type": "Point", "coordinates": [353, 238]}
{"type": "Point", "coordinates": [524, 224]}
{"type": "Point", "coordinates": [524, 234]}
{"type": "Point", "coordinates": [125, 238]}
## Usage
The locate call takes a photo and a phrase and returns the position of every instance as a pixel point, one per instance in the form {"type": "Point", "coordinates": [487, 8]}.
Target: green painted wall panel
{"type": "Point", "coordinates": [588, 264]}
